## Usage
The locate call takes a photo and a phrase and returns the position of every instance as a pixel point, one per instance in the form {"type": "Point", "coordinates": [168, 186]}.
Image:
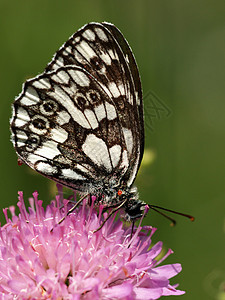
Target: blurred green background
{"type": "Point", "coordinates": [179, 47]}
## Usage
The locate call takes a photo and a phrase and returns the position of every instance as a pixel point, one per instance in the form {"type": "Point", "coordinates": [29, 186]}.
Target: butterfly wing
{"type": "Point", "coordinates": [127, 52]}
{"type": "Point", "coordinates": [66, 127]}
{"type": "Point", "coordinates": [101, 49]}
{"type": "Point", "coordinates": [81, 122]}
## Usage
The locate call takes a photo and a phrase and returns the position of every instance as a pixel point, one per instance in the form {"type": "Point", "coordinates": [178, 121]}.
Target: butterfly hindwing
{"type": "Point", "coordinates": [66, 127]}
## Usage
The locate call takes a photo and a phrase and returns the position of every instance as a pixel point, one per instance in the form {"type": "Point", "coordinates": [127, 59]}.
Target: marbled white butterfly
{"type": "Point", "coordinates": [80, 122]}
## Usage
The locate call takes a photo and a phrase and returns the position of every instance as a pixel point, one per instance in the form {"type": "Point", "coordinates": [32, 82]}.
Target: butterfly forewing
{"type": "Point", "coordinates": [102, 50]}
{"type": "Point", "coordinates": [135, 77]}
{"type": "Point", "coordinates": [80, 123]}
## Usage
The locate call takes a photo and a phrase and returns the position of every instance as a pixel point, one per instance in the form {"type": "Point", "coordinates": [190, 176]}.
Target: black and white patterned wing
{"type": "Point", "coordinates": [80, 123]}
{"type": "Point", "coordinates": [135, 76]}
{"type": "Point", "coordinates": [101, 49]}
{"type": "Point", "coordinates": [66, 127]}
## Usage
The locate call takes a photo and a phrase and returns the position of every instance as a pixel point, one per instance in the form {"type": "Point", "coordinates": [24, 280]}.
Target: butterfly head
{"type": "Point", "coordinates": [134, 210]}
{"type": "Point", "coordinates": [133, 207]}
{"type": "Point", "coordinates": [129, 199]}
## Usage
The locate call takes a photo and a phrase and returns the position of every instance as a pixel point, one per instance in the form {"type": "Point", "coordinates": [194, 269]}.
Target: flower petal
{"type": "Point", "coordinates": [118, 291]}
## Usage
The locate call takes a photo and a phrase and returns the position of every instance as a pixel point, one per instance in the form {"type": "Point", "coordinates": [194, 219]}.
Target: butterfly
{"type": "Point", "coordinates": [80, 123]}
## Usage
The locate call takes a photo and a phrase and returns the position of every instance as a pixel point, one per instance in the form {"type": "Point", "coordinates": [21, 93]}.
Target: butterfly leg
{"type": "Point", "coordinates": [72, 209]}
{"type": "Point", "coordinates": [110, 214]}
{"type": "Point", "coordinates": [132, 229]}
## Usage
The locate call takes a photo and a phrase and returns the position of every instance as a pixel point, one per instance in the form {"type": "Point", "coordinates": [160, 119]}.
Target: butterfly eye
{"type": "Point", "coordinates": [119, 193]}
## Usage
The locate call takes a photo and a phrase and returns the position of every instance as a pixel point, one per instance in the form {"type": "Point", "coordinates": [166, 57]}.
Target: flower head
{"type": "Point", "coordinates": [73, 262]}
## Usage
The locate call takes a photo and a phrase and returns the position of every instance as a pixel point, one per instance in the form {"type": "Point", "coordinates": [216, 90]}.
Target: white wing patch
{"type": "Point", "coordinates": [89, 35]}
{"type": "Point", "coordinates": [21, 138]}
{"type": "Point", "coordinates": [30, 98]}
{"type": "Point", "coordinates": [33, 158]}
{"type": "Point", "coordinates": [83, 168]}
{"type": "Point", "coordinates": [91, 118]}
{"type": "Point", "coordinates": [115, 153]}
{"type": "Point", "coordinates": [96, 149]}
{"type": "Point", "coordinates": [48, 150]}
{"type": "Point", "coordinates": [59, 63]}
{"type": "Point", "coordinates": [133, 175]}
{"type": "Point", "coordinates": [128, 139]}
{"type": "Point", "coordinates": [61, 77]}
{"type": "Point", "coordinates": [22, 117]}
{"type": "Point", "coordinates": [106, 58]}
{"type": "Point", "coordinates": [76, 40]}
{"type": "Point", "coordinates": [86, 50]}
{"type": "Point", "coordinates": [63, 117]}
{"type": "Point", "coordinates": [59, 134]}
{"type": "Point", "coordinates": [68, 173]}
{"type": "Point", "coordinates": [79, 77]}
{"type": "Point", "coordinates": [101, 34]}
{"type": "Point", "coordinates": [122, 90]}
{"type": "Point", "coordinates": [113, 54]}
{"type": "Point", "coordinates": [46, 168]}
{"type": "Point", "coordinates": [100, 112]}
{"type": "Point", "coordinates": [114, 89]}
{"type": "Point", "coordinates": [111, 112]}
{"type": "Point", "coordinates": [69, 50]}
{"type": "Point", "coordinates": [125, 163]}
{"type": "Point", "coordinates": [42, 83]}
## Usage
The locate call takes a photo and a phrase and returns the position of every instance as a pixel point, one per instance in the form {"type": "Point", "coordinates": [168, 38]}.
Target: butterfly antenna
{"type": "Point", "coordinates": [110, 214]}
{"type": "Point", "coordinates": [158, 208]}
{"type": "Point", "coordinates": [173, 221]}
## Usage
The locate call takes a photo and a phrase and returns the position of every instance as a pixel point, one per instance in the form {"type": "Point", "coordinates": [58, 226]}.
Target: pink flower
{"type": "Point", "coordinates": [72, 262]}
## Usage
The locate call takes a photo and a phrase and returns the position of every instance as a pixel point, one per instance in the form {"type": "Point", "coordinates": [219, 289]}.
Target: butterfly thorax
{"type": "Point", "coordinates": [112, 196]}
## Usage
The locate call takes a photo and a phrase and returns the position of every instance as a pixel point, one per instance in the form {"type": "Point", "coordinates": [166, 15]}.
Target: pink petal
{"type": "Point", "coordinates": [118, 291]}
{"type": "Point", "coordinates": [148, 293]}
{"type": "Point", "coordinates": [169, 270]}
